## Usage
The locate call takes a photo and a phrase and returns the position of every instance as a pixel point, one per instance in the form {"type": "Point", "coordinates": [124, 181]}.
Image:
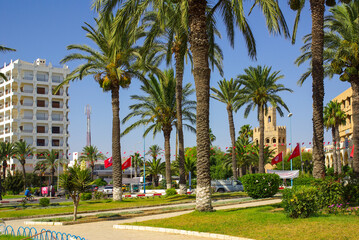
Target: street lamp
{"type": "Point", "coordinates": [291, 143]}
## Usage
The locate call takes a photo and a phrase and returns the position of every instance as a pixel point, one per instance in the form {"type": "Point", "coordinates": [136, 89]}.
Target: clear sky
{"type": "Point", "coordinates": [43, 29]}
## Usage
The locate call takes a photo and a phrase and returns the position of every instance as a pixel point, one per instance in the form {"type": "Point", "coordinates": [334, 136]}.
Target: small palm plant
{"type": "Point", "coordinates": [154, 168]}
{"type": "Point", "coordinates": [23, 150]}
{"type": "Point", "coordinates": [91, 154]}
{"type": "Point", "coordinates": [51, 161]}
{"type": "Point", "coordinates": [76, 180]}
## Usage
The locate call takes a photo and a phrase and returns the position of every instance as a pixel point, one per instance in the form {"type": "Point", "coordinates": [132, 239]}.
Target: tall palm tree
{"type": "Point", "coordinates": [341, 30]}
{"type": "Point", "coordinates": [229, 92]}
{"type": "Point", "coordinates": [260, 89]}
{"type": "Point", "coordinates": [5, 49]}
{"type": "Point", "coordinates": [137, 161]}
{"type": "Point", "coordinates": [112, 65]}
{"type": "Point", "coordinates": [158, 108]}
{"type": "Point", "coordinates": [91, 154]}
{"type": "Point", "coordinates": [6, 151]}
{"type": "Point", "coordinates": [232, 13]}
{"type": "Point", "coordinates": [22, 151]}
{"type": "Point", "coordinates": [334, 116]}
{"type": "Point", "coordinates": [51, 161]}
{"type": "Point", "coordinates": [317, 8]}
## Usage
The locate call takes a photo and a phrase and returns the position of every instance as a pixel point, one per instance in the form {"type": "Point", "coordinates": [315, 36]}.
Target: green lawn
{"type": "Point", "coordinates": [262, 223]}
{"type": "Point", "coordinates": [12, 196]}
{"type": "Point", "coordinates": [9, 237]}
{"type": "Point", "coordinates": [67, 207]}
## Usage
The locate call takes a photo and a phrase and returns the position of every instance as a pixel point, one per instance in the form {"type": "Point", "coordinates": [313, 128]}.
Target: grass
{"type": "Point", "coordinates": [12, 196]}
{"type": "Point", "coordinates": [9, 237]}
{"type": "Point", "coordinates": [98, 205]}
{"type": "Point", "coordinates": [263, 223]}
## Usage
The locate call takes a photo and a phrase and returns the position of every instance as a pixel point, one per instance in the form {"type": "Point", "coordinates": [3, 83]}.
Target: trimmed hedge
{"type": "Point", "coordinates": [301, 201]}
{"type": "Point", "coordinates": [86, 196]}
{"type": "Point", "coordinates": [171, 192]}
{"type": "Point", "coordinates": [44, 202]}
{"type": "Point", "coordinates": [261, 185]}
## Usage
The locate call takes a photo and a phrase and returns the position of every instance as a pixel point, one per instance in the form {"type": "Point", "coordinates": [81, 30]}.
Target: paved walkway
{"type": "Point", "coordinates": [105, 230]}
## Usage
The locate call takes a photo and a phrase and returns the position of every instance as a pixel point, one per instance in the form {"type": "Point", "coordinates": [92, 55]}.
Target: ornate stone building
{"type": "Point", "coordinates": [274, 136]}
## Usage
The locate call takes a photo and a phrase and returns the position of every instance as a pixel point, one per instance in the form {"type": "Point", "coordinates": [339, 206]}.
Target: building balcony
{"type": "Point", "coordinates": [28, 78]}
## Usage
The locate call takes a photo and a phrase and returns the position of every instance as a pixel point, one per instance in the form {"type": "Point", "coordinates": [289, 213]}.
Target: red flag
{"type": "Point", "coordinates": [295, 153]}
{"type": "Point", "coordinates": [277, 158]}
{"type": "Point", "coordinates": [352, 153]}
{"type": "Point", "coordinates": [108, 162]}
{"type": "Point", "coordinates": [126, 163]}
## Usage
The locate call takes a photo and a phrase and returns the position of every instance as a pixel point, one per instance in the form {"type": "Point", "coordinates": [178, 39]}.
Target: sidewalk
{"type": "Point", "coordinates": [105, 230]}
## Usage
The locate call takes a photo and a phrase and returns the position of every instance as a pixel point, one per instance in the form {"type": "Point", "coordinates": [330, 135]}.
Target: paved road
{"type": "Point", "coordinates": [105, 230]}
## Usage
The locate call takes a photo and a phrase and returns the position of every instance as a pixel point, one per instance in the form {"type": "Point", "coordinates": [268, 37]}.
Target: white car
{"type": "Point", "coordinates": [108, 190]}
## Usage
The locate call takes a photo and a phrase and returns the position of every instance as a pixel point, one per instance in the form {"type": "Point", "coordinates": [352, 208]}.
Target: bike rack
{"type": "Point", "coordinates": [44, 234]}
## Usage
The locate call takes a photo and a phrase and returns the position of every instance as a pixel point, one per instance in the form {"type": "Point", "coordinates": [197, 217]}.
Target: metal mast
{"type": "Point", "coordinates": [88, 113]}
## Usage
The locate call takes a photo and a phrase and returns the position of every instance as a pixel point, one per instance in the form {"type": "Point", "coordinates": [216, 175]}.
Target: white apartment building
{"type": "Point", "coordinates": [30, 111]}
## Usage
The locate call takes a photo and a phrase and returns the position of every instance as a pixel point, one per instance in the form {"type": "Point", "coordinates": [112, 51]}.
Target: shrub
{"type": "Point", "coordinates": [300, 201]}
{"type": "Point", "coordinates": [100, 182]}
{"type": "Point", "coordinates": [261, 185]}
{"type": "Point", "coordinates": [44, 202]}
{"type": "Point", "coordinates": [329, 192]}
{"type": "Point", "coordinates": [99, 195]}
{"type": "Point", "coordinates": [86, 196]}
{"type": "Point", "coordinates": [351, 191]}
{"type": "Point", "coordinates": [14, 183]}
{"type": "Point", "coordinates": [171, 192]}
{"type": "Point", "coordinates": [303, 180]}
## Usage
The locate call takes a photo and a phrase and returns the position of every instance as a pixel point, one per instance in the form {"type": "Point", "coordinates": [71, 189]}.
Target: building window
{"type": "Point", "coordinates": [278, 140]}
{"type": "Point", "coordinates": [40, 90]}
{"type": "Point", "coordinates": [267, 140]}
{"type": "Point", "coordinates": [55, 104]}
{"type": "Point", "coordinates": [274, 140]}
{"type": "Point", "coordinates": [343, 103]}
{"type": "Point", "coordinates": [58, 92]}
{"type": "Point", "coordinates": [55, 142]}
{"type": "Point", "coordinates": [40, 142]}
{"type": "Point", "coordinates": [269, 119]}
{"type": "Point", "coordinates": [40, 129]}
{"type": "Point", "coordinates": [55, 129]}
{"type": "Point", "coordinates": [349, 101]}
{"type": "Point", "coordinates": [41, 103]}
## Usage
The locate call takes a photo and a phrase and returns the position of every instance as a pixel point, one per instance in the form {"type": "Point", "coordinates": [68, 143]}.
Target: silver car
{"type": "Point", "coordinates": [108, 190]}
{"type": "Point", "coordinates": [226, 186]}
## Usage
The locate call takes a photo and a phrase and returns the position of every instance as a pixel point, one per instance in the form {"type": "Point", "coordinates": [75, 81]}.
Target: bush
{"type": "Point", "coordinates": [351, 191]}
{"type": "Point", "coordinates": [86, 196]}
{"type": "Point", "coordinates": [99, 195]}
{"type": "Point", "coordinates": [100, 182]}
{"type": "Point", "coordinates": [14, 183]}
{"type": "Point", "coordinates": [261, 185]}
{"type": "Point", "coordinates": [303, 180]}
{"type": "Point", "coordinates": [329, 192]}
{"type": "Point", "coordinates": [301, 201]}
{"type": "Point", "coordinates": [171, 192]}
{"type": "Point", "coordinates": [44, 202]}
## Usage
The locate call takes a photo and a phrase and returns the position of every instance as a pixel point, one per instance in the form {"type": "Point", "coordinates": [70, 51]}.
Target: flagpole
{"type": "Point", "coordinates": [291, 144]}
{"type": "Point", "coordinates": [144, 161]}
{"type": "Point", "coordinates": [301, 159]}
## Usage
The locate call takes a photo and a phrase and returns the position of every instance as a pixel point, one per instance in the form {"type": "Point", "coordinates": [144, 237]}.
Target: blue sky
{"type": "Point", "coordinates": [43, 29]}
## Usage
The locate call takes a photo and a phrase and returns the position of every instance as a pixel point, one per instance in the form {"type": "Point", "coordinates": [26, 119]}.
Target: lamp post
{"type": "Point", "coordinates": [144, 162]}
{"type": "Point", "coordinates": [291, 143]}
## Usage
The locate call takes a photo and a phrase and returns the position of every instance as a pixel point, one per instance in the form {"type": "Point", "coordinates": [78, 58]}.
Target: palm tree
{"type": "Point", "coordinates": [261, 88]}
{"type": "Point", "coordinates": [196, 17]}
{"type": "Point", "coordinates": [229, 93]}
{"type": "Point", "coordinates": [22, 151]}
{"type": "Point", "coordinates": [318, 8]}
{"type": "Point", "coordinates": [242, 147]}
{"type": "Point", "coordinates": [340, 36]}
{"type": "Point", "coordinates": [113, 65]}
{"type": "Point", "coordinates": [158, 108]}
{"type": "Point", "coordinates": [334, 116]}
{"type": "Point", "coordinates": [91, 154]}
{"type": "Point", "coordinates": [50, 161]}
{"type": "Point", "coordinates": [154, 168]}
{"type": "Point", "coordinates": [6, 151]}
{"type": "Point", "coordinates": [212, 137]}
{"type": "Point", "coordinates": [5, 49]}
{"type": "Point", "coordinates": [246, 131]}
{"type": "Point", "coordinates": [137, 162]}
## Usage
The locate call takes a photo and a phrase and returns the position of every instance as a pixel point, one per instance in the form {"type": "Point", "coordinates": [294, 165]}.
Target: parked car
{"type": "Point", "coordinates": [108, 190]}
{"type": "Point", "coordinates": [226, 186]}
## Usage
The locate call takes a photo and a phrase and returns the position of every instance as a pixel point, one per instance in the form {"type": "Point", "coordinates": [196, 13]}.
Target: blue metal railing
{"type": "Point", "coordinates": [44, 234]}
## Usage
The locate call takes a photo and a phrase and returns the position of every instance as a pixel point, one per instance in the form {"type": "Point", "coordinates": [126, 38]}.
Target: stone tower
{"type": "Point", "coordinates": [274, 136]}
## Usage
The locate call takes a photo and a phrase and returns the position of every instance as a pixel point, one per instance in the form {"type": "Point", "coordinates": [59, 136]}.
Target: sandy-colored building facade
{"type": "Point", "coordinates": [274, 136]}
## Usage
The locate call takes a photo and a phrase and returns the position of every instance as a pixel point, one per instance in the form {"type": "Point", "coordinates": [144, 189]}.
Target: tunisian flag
{"type": "Point", "coordinates": [108, 162]}
{"type": "Point", "coordinates": [352, 153]}
{"type": "Point", "coordinates": [295, 153]}
{"type": "Point", "coordinates": [277, 158]}
{"type": "Point", "coordinates": [126, 164]}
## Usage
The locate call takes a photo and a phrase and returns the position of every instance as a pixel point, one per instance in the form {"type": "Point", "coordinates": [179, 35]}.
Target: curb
{"type": "Point", "coordinates": [43, 223]}
{"type": "Point", "coordinates": [177, 231]}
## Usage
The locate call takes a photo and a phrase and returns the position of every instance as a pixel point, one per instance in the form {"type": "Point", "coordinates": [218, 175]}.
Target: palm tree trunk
{"type": "Point", "coordinates": [355, 137]}
{"type": "Point", "coordinates": [92, 170]}
{"type": "Point", "coordinates": [233, 140]}
{"type": "Point", "coordinates": [261, 139]}
{"type": "Point", "coordinates": [337, 146]}
{"type": "Point", "coordinates": [75, 200]}
{"type": "Point", "coordinates": [317, 8]}
{"type": "Point", "coordinates": [136, 167]}
{"type": "Point", "coordinates": [335, 160]}
{"type": "Point", "coordinates": [116, 145]}
{"type": "Point", "coordinates": [24, 174]}
{"type": "Point", "coordinates": [4, 166]}
{"type": "Point", "coordinates": [179, 80]}
{"type": "Point", "coordinates": [201, 72]}
{"type": "Point", "coordinates": [52, 175]}
{"type": "Point", "coordinates": [167, 134]}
